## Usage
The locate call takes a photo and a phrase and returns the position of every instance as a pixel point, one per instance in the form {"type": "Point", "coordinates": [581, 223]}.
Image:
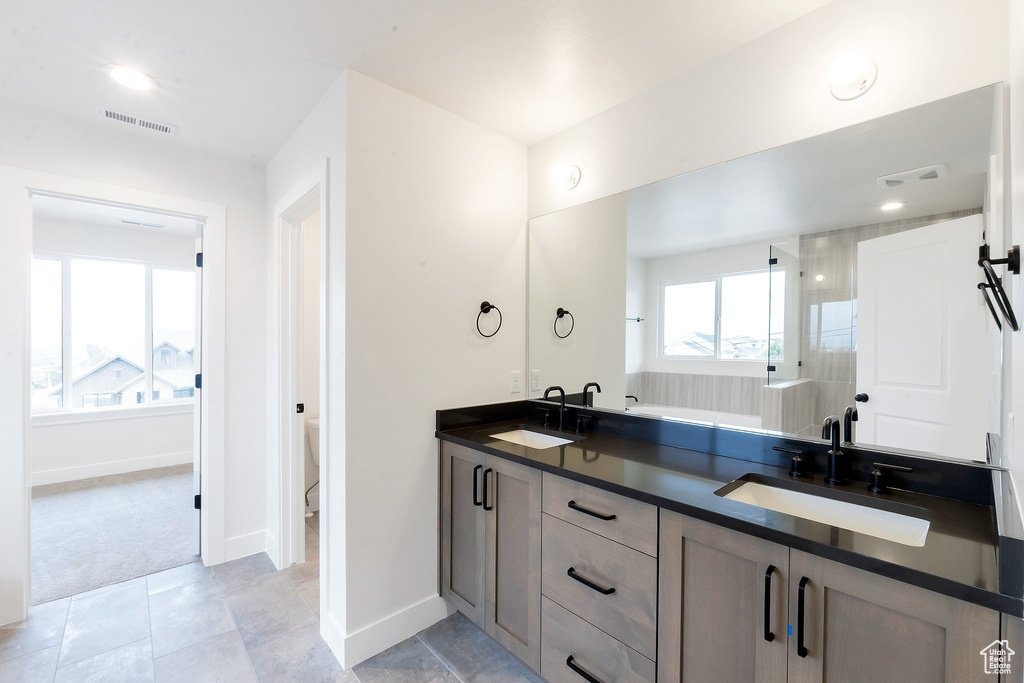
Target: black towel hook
{"type": "Point", "coordinates": [487, 307]}
{"type": "Point", "coordinates": [559, 314]}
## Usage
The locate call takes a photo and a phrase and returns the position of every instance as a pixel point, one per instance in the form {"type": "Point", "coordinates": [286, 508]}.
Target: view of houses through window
{"type": "Point", "coordinates": [89, 324]}
{"type": "Point", "coordinates": [725, 317]}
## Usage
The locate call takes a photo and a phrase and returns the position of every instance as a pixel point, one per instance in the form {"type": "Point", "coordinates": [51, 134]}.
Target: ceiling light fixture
{"type": "Point", "coordinates": [567, 175]}
{"type": "Point", "coordinates": [131, 78]}
{"type": "Point", "coordinates": [892, 206]}
{"type": "Point", "coordinates": [852, 76]}
{"type": "Point", "coordinates": [820, 277]}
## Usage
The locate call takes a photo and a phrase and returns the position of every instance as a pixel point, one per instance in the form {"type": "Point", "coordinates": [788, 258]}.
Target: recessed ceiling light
{"type": "Point", "coordinates": [820, 277]}
{"type": "Point", "coordinates": [852, 76]}
{"type": "Point", "coordinates": [131, 78]}
{"type": "Point", "coordinates": [892, 206]}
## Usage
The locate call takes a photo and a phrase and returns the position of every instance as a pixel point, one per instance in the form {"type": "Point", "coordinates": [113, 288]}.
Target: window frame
{"type": "Point", "coordinates": [103, 412]}
{"type": "Point", "coordinates": [717, 279]}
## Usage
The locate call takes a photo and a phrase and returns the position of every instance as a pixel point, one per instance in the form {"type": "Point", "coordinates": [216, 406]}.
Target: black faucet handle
{"type": "Point", "coordinates": [878, 476]}
{"type": "Point", "coordinates": [796, 463]}
{"type": "Point", "coordinates": [583, 422]}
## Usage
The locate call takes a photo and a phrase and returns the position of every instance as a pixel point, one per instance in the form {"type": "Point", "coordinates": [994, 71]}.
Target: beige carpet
{"type": "Point", "coordinates": [95, 532]}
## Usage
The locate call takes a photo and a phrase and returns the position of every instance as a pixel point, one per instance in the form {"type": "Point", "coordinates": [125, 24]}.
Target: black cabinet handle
{"type": "Point", "coordinates": [801, 649]}
{"type": "Point", "coordinates": [768, 635]}
{"type": "Point", "coordinates": [476, 502]}
{"type": "Point", "coordinates": [486, 506]}
{"type": "Point", "coordinates": [588, 583]}
{"type": "Point", "coordinates": [570, 662]}
{"type": "Point", "coordinates": [580, 508]}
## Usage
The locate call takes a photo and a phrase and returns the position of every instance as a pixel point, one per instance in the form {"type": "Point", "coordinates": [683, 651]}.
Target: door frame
{"type": "Point", "coordinates": [17, 187]}
{"type": "Point", "coordinates": [285, 443]}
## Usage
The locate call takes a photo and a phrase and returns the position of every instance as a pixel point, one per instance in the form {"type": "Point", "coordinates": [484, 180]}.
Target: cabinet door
{"type": "Point", "coordinates": [862, 627]}
{"type": "Point", "coordinates": [712, 601]}
{"type": "Point", "coordinates": [462, 530]}
{"type": "Point", "coordinates": [512, 607]}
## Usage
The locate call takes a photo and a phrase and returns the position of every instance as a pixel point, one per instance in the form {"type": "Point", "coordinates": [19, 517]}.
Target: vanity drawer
{"type": "Point", "coordinates": [591, 649]}
{"type": "Point", "coordinates": [629, 612]}
{"type": "Point", "coordinates": [635, 524]}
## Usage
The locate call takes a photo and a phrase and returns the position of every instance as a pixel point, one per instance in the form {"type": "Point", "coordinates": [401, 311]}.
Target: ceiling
{"type": "Point", "coordinates": [821, 183]}
{"type": "Point", "coordinates": [237, 76]}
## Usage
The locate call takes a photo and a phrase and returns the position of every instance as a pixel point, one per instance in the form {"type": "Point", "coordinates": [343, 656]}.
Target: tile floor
{"type": "Point", "coordinates": [239, 621]}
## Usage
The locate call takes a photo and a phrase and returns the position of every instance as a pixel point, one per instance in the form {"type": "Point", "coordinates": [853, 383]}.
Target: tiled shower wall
{"type": "Point", "coordinates": [834, 255]}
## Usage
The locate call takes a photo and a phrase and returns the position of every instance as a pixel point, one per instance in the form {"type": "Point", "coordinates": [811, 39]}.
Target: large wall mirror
{"type": "Point", "coordinates": [771, 291]}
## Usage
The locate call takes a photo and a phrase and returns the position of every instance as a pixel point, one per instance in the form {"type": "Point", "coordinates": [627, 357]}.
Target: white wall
{"type": "Point", "coordinates": [311, 343]}
{"type": "Point", "coordinates": [1014, 436]}
{"type": "Point", "coordinates": [696, 265]}
{"type": "Point", "coordinates": [141, 160]}
{"type": "Point", "coordinates": [415, 272]}
{"type": "Point", "coordinates": [66, 450]}
{"type": "Point", "coordinates": [68, 447]}
{"type": "Point", "coordinates": [774, 90]}
{"type": "Point", "coordinates": [578, 262]}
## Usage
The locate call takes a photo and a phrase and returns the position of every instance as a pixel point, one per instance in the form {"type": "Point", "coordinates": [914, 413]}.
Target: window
{"type": "Point", "coordinates": [724, 318]}
{"type": "Point", "coordinates": [47, 333]}
{"type": "Point", "coordinates": [89, 320]}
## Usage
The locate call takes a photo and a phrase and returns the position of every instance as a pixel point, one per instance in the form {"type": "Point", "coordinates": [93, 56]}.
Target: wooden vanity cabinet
{"type": "Point", "coordinates": [860, 627]}
{"type": "Point", "coordinates": [722, 606]}
{"type": "Point", "coordinates": [490, 546]}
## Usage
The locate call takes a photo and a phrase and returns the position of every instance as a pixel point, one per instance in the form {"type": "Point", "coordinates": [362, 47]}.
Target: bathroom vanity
{"type": "Point", "coordinates": [619, 555]}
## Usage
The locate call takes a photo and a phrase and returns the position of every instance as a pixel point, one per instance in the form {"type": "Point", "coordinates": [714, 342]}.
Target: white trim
{"type": "Point", "coordinates": [63, 417]}
{"type": "Point", "coordinates": [102, 469]}
{"type": "Point", "coordinates": [377, 637]}
{"type": "Point", "coordinates": [17, 185]}
{"type": "Point", "coordinates": [242, 546]}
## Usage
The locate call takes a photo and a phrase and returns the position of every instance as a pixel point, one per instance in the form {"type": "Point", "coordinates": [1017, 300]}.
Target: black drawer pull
{"type": "Point", "coordinates": [768, 635]}
{"type": "Point", "coordinates": [579, 508]}
{"type": "Point", "coordinates": [486, 506]}
{"type": "Point", "coordinates": [476, 487]}
{"type": "Point", "coordinates": [569, 662]}
{"type": "Point", "coordinates": [588, 583]}
{"type": "Point", "coordinates": [801, 649]}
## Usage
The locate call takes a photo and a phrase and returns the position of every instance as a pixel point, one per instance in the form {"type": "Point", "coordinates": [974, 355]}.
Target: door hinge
{"type": "Point", "coordinates": [199, 260]}
{"type": "Point", "coordinates": [199, 381]}
{"type": "Point", "coordinates": [198, 501]}
{"type": "Point", "coordinates": [300, 407]}
{"type": "Point", "coordinates": [773, 262]}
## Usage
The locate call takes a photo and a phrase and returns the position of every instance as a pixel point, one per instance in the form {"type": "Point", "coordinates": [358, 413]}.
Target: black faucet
{"type": "Point", "coordinates": [849, 417]}
{"type": "Point", "coordinates": [561, 408]}
{"type": "Point", "coordinates": [830, 429]}
{"type": "Point", "coordinates": [586, 396]}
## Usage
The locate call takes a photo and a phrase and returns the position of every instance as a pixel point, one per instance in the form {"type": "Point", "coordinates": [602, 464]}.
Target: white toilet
{"type": "Point", "coordinates": [313, 434]}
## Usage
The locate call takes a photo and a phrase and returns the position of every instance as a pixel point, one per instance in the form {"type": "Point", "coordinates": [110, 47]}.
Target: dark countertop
{"type": "Point", "coordinates": [960, 557]}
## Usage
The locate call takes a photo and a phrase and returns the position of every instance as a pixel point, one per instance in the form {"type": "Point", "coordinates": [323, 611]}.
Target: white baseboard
{"type": "Point", "coordinates": [334, 636]}
{"type": "Point", "coordinates": [102, 469]}
{"type": "Point", "coordinates": [244, 545]}
{"type": "Point", "coordinates": [391, 630]}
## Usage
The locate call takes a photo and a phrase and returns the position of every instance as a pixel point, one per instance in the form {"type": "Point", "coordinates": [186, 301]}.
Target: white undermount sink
{"type": "Point", "coordinates": [891, 526]}
{"type": "Point", "coordinates": [525, 437]}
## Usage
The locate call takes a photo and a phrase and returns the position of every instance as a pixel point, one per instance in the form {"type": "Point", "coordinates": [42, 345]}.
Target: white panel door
{"type": "Point", "coordinates": [924, 347]}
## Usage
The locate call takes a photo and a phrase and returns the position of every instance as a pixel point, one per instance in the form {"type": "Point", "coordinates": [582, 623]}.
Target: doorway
{"type": "Point", "coordinates": [299, 409]}
{"type": "Point", "coordinates": [115, 326]}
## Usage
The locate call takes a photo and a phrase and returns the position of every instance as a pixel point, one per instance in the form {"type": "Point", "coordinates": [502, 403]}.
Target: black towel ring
{"type": "Point", "coordinates": [560, 313]}
{"type": "Point", "coordinates": [487, 307]}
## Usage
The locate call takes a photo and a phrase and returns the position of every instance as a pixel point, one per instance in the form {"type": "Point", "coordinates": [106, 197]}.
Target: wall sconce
{"type": "Point", "coordinates": [852, 76]}
{"type": "Point", "coordinates": [567, 175]}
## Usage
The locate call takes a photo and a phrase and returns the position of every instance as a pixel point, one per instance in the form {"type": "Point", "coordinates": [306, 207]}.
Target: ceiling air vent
{"type": "Point", "coordinates": [142, 225]}
{"type": "Point", "coordinates": [913, 176]}
{"type": "Point", "coordinates": [131, 120]}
